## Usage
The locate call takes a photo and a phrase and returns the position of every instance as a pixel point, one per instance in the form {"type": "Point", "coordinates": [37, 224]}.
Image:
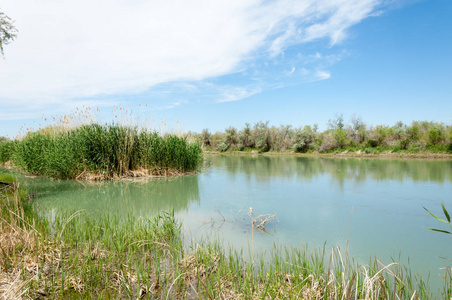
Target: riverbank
{"type": "Point", "coordinates": [418, 137]}
{"type": "Point", "coordinates": [86, 256]}
{"type": "Point", "coordinates": [343, 154]}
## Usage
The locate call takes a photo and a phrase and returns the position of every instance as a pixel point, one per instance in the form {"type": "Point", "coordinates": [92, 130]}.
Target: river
{"type": "Point", "coordinates": [376, 205]}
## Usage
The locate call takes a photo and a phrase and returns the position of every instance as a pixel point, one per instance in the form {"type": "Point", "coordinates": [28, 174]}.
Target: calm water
{"type": "Point", "coordinates": [376, 204]}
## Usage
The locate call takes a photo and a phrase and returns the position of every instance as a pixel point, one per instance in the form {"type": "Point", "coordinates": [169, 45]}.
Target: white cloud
{"type": "Point", "coordinates": [322, 75]}
{"type": "Point", "coordinates": [238, 93]}
{"type": "Point", "coordinates": [69, 50]}
{"type": "Point", "coordinates": [169, 106]}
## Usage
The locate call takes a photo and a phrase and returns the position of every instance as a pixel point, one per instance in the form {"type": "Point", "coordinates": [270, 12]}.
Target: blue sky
{"type": "Point", "coordinates": [215, 64]}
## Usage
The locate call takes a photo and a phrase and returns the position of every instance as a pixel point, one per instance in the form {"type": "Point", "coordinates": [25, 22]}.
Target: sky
{"type": "Point", "coordinates": [212, 64]}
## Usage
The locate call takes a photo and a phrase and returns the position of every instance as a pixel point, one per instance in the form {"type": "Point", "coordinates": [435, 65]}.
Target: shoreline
{"type": "Point", "coordinates": [87, 176]}
{"type": "Point", "coordinates": [345, 154]}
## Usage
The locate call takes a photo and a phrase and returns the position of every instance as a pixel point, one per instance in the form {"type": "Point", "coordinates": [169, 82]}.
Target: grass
{"type": "Point", "coordinates": [81, 256]}
{"type": "Point", "coordinates": [104, 152]}
{"type": "Point", "coordinates": [7, 179]}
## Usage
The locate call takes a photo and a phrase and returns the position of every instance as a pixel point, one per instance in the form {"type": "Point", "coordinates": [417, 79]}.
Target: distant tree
{"type": "Point", "coordinates": [337, 123]}
{"type": "Point", "coordinates": [358, 129]}
{"type": "Point", "coordinates": [205, 137]}
{"type": "Point", "coordinates": [7, 31]}
{"type": "Point", "coordinates": [261, 136]}
{"type": "Point", "coordinates": [338, 132]}
{"type": "Point", "coordinates": [302, 139]}
{"type": "Point", "coordinates": [245, 138]}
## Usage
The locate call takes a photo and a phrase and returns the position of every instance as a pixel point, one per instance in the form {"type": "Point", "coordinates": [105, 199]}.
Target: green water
{"type": "Point", "coordinates": [377, 205]}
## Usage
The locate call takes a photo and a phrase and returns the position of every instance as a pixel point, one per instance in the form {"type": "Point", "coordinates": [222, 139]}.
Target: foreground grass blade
{"type": "Point", "coordinates": [445, 212]}
{"type": "Point", "coordinates": [439, 230]}
{"type": "Point", "coordinates": [436, 217]}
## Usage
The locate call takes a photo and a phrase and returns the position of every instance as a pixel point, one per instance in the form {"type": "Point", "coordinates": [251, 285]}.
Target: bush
{"type": "Point", "coordinates": [230, 139]}
{"type": "Point", "coordinates": [435, 136]}
{"type": "Point", "coordinates": [261, 136]}
{"type": "Point", "coordinates": [419, 136]}
{"type": "Point", "coordinates": [358, 130]}
{"type": "Point", "coordinates": [223, 147]}
{"type": "Point", "coordinates": [328, 142]}
{"type": "Point", "coordinates": [245, 138]}
{"type": "Point", "coordinates": [377, 135]}
{"type": "Point", "coordinates": [205, 138]}
{"type": "Point", "coordinates": [302, 139]}
{"type": "Point", "coordinates": [340, 136]}
{"type": "Point", "coordinates": [370, 151]}
{"type": "Point", "coordinates": [449, 142]}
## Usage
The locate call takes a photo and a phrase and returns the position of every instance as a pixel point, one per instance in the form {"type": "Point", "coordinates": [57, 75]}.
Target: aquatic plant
{"type": "Point", "coordinates": [106, 151]}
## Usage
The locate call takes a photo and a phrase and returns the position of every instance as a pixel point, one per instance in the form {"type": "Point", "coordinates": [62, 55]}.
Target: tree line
{"type": "Point", "coordinates": [419, 136]}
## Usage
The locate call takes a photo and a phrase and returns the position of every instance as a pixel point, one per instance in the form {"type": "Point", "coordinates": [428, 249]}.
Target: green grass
{"type": "Point", "coordinates": [7, 179]}
{"type": "Point", "coordinates": [104, 150]}
{"type": "Point", "coordinates": [84, 256]}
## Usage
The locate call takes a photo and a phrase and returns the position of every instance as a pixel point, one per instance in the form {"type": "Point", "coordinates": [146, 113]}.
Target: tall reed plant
{"type": "Point", "coordinates": [106, 151]}
{"type": "Point", "coordinates": [7, 150]}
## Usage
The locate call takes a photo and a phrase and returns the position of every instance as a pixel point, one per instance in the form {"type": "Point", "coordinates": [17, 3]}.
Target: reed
{"type": "Point", "coordinates": [6, 150]}
{"type": "Point", "coordinates": [79, 255]}
{"type": "Point", "coordinates": [105, 152]}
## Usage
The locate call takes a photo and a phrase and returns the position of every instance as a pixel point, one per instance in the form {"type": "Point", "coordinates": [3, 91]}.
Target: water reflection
{"type": "Point", "coordinates": [264, 168]}
{"type": "Point", "coordinates": [142, 197]}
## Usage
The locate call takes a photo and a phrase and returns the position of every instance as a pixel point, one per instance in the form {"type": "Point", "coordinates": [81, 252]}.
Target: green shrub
{"type": "Point", "coordinates": [372, 150]}
{"type": "Point", "coordinates": [245, 138]}
{"type": "Point", "coordinates": [340, 135]}
{"type": "Point", "coordinates": [230, 139]}
{"type": "Point", "coordinates": [449, 140]}
{"type": "Point", "coordinates": [377, 135]}
{"type": "Point", "coordinates": [223, 147]}
{"type": "Point", "coordinates": [302, 139]}
{"type": "Point", "coordinates": [205, 138]}
{"type": "Point", "coordinates": [435, 136]}
{"type": "Point", "coordinates": [404, 143]}
{"type": "Point", "coordinates": [358, 130]}
{"type": "Point", "coordinates": [419, 136]}
{"type": "Point", "coordinates": [413, 131]}
{"type": "Point", "coordinates": [261, 136]}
